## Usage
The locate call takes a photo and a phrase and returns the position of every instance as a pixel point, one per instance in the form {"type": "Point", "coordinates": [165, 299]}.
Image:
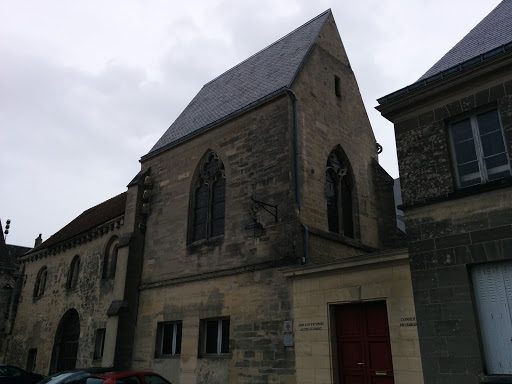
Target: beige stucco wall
{"type": "Point", "coordinates": [317, 289]}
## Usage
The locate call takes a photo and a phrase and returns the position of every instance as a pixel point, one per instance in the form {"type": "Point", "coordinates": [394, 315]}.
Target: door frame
{"type": "Point", "coordinates": [335, 369]}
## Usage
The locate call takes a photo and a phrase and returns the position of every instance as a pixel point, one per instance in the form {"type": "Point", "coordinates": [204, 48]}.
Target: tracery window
{"type": "Point", "coordinates": [208, 199]}
{"type": "Point", "coordinates": [40, 282]}
{"type": "Point", "coordinates": [338, 189]}
{"type": "Point", "coordinates": [73, 273]}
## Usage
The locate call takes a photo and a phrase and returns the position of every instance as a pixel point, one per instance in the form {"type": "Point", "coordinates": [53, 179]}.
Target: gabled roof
{"type": "Point", "coordinates": [491, 37]}
{"type": "Point", "coordinates": [251, 81]}
{"type": "Point", "coordinates": [89, 219]}
{"type": "Point", "coordinates": [492, 32]}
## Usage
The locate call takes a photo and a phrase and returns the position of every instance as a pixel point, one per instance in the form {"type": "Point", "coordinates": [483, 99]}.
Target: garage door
{"type": "Point", "coordinates": [492, 284]}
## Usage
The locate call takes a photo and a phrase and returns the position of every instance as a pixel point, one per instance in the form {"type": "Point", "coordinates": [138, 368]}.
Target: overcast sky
{"type": "Point", "coordinates": [87, 87]}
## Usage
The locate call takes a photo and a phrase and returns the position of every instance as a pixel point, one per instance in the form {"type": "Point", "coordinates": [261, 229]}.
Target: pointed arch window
{"type": "Point", "coordinates": [74, 269]}
{"type": "Point", "coordinates": [40, 282]}
{"type": "Point", "coordinates": [338, 189]}
{"type": "Point", "coordinates": [208, 199]}
{"type": "Point", "coordinates": [110, 258]}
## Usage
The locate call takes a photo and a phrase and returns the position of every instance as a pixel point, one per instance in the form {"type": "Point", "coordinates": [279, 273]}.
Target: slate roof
{"type": "Point", "coordinates": [492, 32]}
{"type": "Point", "coordinates": [261, 75]}
{"type": "Point", "coordinates": [490, 38]}
{"type": "Point", "coordinates": [89, 219]}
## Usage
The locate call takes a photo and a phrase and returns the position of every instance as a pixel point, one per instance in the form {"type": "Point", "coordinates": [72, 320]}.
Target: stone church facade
{"type": "Point", "coordinates": [258, 243]}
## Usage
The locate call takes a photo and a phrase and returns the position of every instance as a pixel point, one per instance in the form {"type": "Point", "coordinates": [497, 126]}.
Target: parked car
{"type": "Point", "coordinates": [13, 375]}
{"type": "Point", "coordinates": [73, 376]}
{"type": "Point", "coordinates": [125, 378]}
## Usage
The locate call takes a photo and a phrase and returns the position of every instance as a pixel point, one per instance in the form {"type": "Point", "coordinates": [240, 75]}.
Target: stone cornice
{"type": "Point", "coordinates": [75, 241]}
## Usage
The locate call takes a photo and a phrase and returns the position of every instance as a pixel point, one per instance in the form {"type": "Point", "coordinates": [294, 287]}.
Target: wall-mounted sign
{"type": "Point", "coordinates": [311, 326]}
{"type": "Point", "coordinates": [288, 326]}
{"type": "Point", "coordinates": [408, 321]}
{"type": "Point", "coordinates": [288, 339]}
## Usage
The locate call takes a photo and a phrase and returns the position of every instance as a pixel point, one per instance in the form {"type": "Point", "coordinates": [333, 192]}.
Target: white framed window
{"type": "Point", "coordinates": [168, 339]}
{"type": "Point", "coordinates": [215, 336]}
{"type": "Point", "coordinates": [99, 343]}
{"type": "Point", "coordinates": [479, 150]}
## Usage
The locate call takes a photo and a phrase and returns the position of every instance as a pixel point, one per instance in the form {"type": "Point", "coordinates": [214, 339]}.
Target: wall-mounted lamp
{"type": "Point", "coordinates": [255, 229]}
{"type": "Point", "coordinates": [7, 287]}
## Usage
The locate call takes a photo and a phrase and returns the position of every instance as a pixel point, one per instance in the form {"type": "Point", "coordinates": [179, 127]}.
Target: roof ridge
{"type": "Point", "coordinates": [270, 45]}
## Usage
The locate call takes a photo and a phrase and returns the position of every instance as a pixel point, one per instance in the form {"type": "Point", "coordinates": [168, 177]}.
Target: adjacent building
{"type": "Point", "coordinates": [454, 140]}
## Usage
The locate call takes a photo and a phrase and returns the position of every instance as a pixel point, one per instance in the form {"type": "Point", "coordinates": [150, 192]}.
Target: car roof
{"type": "Point", "coordinates": [115, 375]}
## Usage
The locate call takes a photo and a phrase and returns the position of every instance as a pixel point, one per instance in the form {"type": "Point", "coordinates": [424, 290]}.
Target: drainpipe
{"type": "Point", "coordinates": [298, 197]}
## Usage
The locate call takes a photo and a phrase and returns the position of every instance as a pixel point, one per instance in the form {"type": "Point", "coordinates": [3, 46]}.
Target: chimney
{"type": "Point", "coordinates": [38, 242]}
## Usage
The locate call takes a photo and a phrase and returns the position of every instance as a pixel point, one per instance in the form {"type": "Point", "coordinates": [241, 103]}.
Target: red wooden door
{"type": "Point", "coordinates": [364, 351]}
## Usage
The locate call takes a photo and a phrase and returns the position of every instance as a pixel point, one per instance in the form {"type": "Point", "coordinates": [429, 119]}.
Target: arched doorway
{"type": "Point", "coordinates": [65, 346]}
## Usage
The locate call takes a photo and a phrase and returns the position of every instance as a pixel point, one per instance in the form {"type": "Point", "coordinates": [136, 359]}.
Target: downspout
{"type": "Point", "coordinates": [298, 196]}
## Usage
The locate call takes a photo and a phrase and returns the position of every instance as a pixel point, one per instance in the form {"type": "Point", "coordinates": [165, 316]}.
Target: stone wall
{"type": "Point", "coordinates": [318, 290]}
{"type": "Point", "coordinates": [327, 120]}
{"type": "Point", "coordinates": [450, 229]}
{"type": "Point", "coordinates": [37, 319]}
{"type": "Point", "coordinates": [257, 304]}
{"type": "Point", "coordinates": [236, 276]}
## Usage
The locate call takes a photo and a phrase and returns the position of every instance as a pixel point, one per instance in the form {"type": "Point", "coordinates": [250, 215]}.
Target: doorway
{"type": "Point", "coordinates": [65, 346]}
{"type": "Point", "coordinates": [363, 344]}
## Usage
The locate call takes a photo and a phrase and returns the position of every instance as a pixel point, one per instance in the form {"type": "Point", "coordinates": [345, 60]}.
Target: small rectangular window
{"type": "Point", "coordinates": [168, 342]}
{"type": "Point", "coordinates": [215, 336]}
{"type": "Point", "coordinates": [337, 86]}
{"type": "Point", "coordinates": [479, 149]}
{"type": "Point", "coordinates": [99, 344]}
{"type": "Point", "coordinates": [31, 359]}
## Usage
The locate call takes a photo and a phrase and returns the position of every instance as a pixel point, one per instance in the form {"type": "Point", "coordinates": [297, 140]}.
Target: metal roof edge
{"type": "Point", "coordinates": [475, 61]}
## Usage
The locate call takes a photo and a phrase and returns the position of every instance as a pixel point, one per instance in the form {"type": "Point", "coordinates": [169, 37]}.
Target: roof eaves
{"type": "Point", "coordinates": [57, 247]}
{"type": "Point", "coordinates": [475, 61]}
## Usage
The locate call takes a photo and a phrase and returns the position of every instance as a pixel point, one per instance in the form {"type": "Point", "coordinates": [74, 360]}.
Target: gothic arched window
{"type": "Point", "coordinates": [40, 282]}
{"type": "Point", "coordinates": [338, 189]}
{"type": "Point", "coordinates": [74, 269]}
{"type": "Point", "coordinates": [208, 199]}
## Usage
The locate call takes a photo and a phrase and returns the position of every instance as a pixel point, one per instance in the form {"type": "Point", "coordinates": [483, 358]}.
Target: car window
{"type": "Point", "coordinates": [56, 378]}
{"type": "Point", "coordinates": [75, 379]}
{"type": "Point", "coordinates": [154, 379]}
{"type": "Point", "coordinates": [8, 370]}
{"type": "Point", "coordinates": [93, 380]}
{"type": "Point", "coordinates": [128, 380]}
